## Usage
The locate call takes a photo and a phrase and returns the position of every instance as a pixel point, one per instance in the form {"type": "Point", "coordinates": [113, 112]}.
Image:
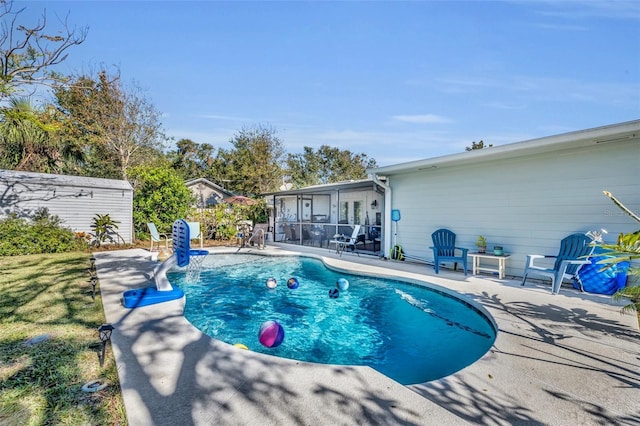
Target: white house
{"type": "Point", "coordinates": [75, 199]}
{"type": "Point", "coordinates": [207, 193]}
{"type": "Point", "coordinates": [524, 196]}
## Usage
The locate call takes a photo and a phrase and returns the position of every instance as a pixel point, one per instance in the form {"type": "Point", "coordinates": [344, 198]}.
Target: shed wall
{"type": "Point", "coordinates": [75, 201]}
{"type": "Point", "coordinates": [527, 204]}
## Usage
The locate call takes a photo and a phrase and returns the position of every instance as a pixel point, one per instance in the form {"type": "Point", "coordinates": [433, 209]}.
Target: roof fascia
{"type": "Point", "coordinates": [572, 140]}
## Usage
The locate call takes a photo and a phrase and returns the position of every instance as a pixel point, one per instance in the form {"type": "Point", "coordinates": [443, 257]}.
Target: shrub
{"type": "Point", "coordinates": [160, 197]}
{"type": "Point", "coordinates": [42, 234]}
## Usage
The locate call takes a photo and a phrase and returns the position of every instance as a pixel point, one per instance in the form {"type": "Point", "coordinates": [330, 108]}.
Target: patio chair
{"type": "Point", "coordinates": [195, 232]}
{"type": "Point", "coordinates": [157, 237]}
{"type": "Point", "coordinates": [312, 234]}
{"type": "Point", "coordinates": [574, 252]}
{"type": "Point", "coordinates": [290, 233]}
{"type": "Point", "coordinates": [343, 242]}
{"type": "Point", "coordinates": [243, 234]}
{"type": "Point", "coordinates": [444, 250]}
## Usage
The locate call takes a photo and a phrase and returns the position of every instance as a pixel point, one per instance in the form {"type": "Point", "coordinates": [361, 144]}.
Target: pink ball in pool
{"type": "Point", "coordinates": [271, 334]}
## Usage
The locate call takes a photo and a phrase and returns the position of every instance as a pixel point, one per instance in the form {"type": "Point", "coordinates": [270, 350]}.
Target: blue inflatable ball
{"type": "Point", "coordinates": [334, 293]}
{"type": "Point", "coordinates": [293, 283]}
{"type": "Point", "coordinates": [271, 283]}
{"type": "Point", "coordinates": [271, 334]}
{"type": "Point", "coordinates": [342, 284]}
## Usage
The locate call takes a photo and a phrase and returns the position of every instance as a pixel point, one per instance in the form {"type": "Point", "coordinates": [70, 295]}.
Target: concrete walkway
{"type": "Point", "coordinates": [567, 359]}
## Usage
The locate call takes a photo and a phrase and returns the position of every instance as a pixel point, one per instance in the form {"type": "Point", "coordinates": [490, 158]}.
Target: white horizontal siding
{"type": "Point", "coordinates": [71, 198]}
{"type": "Point", "coordinates": [527, 204]}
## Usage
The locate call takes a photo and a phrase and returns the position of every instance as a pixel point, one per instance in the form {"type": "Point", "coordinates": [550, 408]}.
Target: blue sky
{"type": "Point", "coordinates": [399, 81]}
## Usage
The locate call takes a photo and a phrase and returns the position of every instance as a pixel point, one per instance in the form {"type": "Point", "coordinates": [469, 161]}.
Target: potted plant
{"type": "Point", "coordinates": [481, 243]}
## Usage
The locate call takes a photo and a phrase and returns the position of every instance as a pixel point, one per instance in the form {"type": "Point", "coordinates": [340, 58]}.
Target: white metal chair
{"type": "Point", "coordinates": [343, 242]}
{"type": "Point", "coordinates": [157, 237]}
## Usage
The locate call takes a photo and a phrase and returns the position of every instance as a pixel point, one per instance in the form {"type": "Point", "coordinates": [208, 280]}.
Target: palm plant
{"type": "Point", "coordinates": [29, 139]}
{"type": "Point", "coordinates": [626, 249]}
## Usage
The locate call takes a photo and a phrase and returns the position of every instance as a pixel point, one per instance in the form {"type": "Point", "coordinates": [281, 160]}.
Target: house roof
{"type": "Point", "coordinates": [622, 132]}
{"type": "Point", "coordinates": [324, 188]}
{"type": "Point", "coordinates": [208, 183]}
{"type": "Point", "coordinates": [66, 180]}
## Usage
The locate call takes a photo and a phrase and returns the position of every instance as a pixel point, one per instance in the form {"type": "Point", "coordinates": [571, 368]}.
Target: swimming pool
{"type": "Point", "coordinates": [410, 333]}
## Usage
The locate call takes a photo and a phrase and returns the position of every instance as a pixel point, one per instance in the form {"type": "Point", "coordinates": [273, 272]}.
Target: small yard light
{"type": "Point", "coordinates": [92, 262]}
{"type": "Point", "coordinates": [93, 280]}
{"type": "Point", "coordinates": [105, 331]}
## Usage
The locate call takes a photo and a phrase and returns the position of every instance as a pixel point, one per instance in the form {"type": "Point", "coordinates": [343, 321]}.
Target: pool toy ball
{"type": "Point", "coordinates": [271, 283]}
{"type": "Point", "coordinates": [241, 346]}
{"type": "Point", "coordinates": [293, 283]}
{"type": "Point", "coordinates": [334, 293]}
{"type": "Point", "coordinates": [271, 334]}
{"type": "Point", "coordinates": [342, 284]}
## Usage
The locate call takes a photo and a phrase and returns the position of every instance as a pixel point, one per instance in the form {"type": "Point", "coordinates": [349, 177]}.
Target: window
{"type": "Point", "coordinates": [344, 212]}
{"type": "Point", "coordinates": [357, 212]}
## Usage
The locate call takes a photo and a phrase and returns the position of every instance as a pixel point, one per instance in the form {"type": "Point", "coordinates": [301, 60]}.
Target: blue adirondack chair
{"type": "Point", "coordinates": [444, 250]}
{"type": "Point", "coordinates": [574, 252]}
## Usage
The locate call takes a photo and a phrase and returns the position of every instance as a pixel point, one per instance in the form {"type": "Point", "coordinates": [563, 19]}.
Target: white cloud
{"type": "Point", "coordinates": [422, 119]}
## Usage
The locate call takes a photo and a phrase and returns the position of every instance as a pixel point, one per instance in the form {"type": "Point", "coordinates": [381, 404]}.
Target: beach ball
{"type": "Point", "coordinates": [293, 283]}
{"type": "Point", "coordinates": [241, 346]}
{"type": "Point", "coordinates": [342, 284]}
{"type": "Point", "coordinates": [271, 283]}
{"type": "Point", "coordinates": [334, 293]}
{"type": "Point", "coordinates": [271, 334]}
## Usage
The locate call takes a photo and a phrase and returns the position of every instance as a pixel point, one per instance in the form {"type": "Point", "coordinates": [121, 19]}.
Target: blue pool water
{"type": "Point", "coordinates": [410, 333]}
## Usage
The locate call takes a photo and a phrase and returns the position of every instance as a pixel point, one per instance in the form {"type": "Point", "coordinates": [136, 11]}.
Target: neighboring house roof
{"type": "Point", "coordinates": [208, 183]}
{"type": "Point", "coordinates": [64, 180]}
{"type": "Point", "coordinates": [566, 141]}
{"type": "Point", "coordinates": [207, 192]}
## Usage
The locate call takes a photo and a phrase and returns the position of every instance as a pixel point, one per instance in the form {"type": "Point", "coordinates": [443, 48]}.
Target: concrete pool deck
{"type": "Point", "coordinates": [563, 359]}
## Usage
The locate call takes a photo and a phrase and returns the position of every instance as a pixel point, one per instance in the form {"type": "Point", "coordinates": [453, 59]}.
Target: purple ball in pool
{"type": "Point", "coordinates": [271, 334]}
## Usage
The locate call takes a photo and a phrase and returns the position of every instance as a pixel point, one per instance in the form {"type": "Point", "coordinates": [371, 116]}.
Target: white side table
{"type": "Point", "coordinates": [502, 263]}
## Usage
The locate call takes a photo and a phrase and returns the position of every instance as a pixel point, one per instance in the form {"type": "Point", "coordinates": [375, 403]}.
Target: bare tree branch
{"type": "Point", "coordinates": [27, 52]}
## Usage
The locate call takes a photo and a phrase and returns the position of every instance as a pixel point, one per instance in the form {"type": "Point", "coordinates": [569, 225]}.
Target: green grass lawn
{"type": "Point", "coordinates": [41, 383]}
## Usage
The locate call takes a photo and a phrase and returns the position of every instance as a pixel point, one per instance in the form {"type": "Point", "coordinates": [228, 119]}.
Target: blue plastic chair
{"type": "Point", "coordinates": [574, 252]}
{"type": "Point", "coordinates": [444, 250]}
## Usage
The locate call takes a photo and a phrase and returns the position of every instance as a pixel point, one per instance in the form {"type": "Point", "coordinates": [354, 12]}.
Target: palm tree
{"type": "Point", "coordinates": [29, 140]}
{"type": "Point", "coordinates": [626, 249]}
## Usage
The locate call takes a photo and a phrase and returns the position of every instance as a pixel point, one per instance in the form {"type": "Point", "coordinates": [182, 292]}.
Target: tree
{"type": "Point", "coordinates": [327, 165]}
{"type": "Point", "coordinates": [119, 125]}
{"type": "Point", "coordinates": [477, 145]}
{"type": "Point", "coordinates": [254, 165]}
{"type": "Point", "coordinates": [29, 139]}
{"type": "Point", "coordinates": [27, 52]}
{"type": "Point", "coordinates": [160, 196]}
{"type": "Point", "coordinates": [192, 160]}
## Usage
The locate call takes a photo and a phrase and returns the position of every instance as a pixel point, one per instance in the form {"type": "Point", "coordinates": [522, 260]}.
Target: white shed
{"type": "Point", "coordinates": [75, 199]}
{"type": "Point", "coordinates": [524, 196]}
